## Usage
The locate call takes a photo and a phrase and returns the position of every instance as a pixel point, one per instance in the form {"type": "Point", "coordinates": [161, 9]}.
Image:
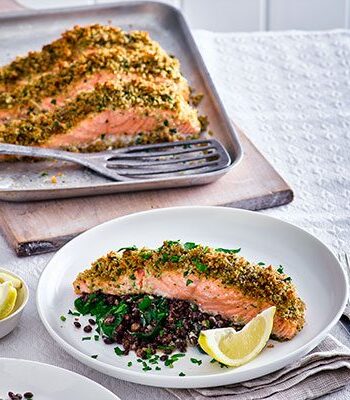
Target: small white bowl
{"type": "Point", "coordinates": [9, 323]}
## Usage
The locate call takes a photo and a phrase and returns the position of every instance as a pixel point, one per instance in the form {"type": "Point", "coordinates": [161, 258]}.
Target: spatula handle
{"type": "Point", "coordinates": [29, 151]}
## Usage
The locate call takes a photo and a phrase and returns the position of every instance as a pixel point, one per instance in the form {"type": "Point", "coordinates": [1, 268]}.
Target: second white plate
{"type": "Point", "coordinates": [47, 382]}
{"type": "Point", "coordinates": [315, 271]}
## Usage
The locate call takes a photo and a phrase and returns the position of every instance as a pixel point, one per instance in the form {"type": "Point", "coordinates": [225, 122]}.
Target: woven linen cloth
{"type": "Point", "coordinates": [290, 92]}
{"type": "Point", "coordinates": [324, 370]}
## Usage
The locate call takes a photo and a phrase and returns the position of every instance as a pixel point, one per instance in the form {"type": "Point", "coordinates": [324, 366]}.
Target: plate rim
{"type": "Point", "coordinates": [55, 367]}
{"type": "Point", "coordinates": [199, 381]}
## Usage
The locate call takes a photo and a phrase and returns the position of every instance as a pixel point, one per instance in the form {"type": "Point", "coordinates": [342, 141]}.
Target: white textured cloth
{"type": "Point", "coordinates": [325, 370]}
{"type": "Point", "coordinates": [290, 92]}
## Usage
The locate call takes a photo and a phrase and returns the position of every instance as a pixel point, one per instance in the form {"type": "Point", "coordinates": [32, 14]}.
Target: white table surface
{"type": "Point", "coordinates": [291, 93]}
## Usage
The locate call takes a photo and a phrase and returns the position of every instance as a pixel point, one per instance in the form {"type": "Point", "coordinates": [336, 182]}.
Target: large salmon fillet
{"type": "Point", "coordinates": [112, 112]}
{"type": "Point", "coordinates": [95, 88]}
{"type": "Point", "coordinates": [219, 281]}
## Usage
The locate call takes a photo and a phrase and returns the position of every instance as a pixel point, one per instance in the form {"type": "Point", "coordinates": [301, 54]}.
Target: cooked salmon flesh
{"type": "Point", "coordinates": [219, 281]}
{"type": "Point", "coordinates": [95, 88]}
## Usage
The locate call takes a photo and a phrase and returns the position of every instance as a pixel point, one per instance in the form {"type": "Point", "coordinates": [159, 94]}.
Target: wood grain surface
{"type": "Point", "coordinates": [40, 227]}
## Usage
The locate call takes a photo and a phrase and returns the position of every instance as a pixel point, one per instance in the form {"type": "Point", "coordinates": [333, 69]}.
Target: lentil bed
{"type": "Point", "coordinates": [146, 323]}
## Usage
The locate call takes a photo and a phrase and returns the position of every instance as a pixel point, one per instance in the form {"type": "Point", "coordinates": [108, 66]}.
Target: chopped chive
{"type": "Point", "coordinates": [288, 279]}
{"type": "Point", "coordinates": [158, 368]}
{"type": "Point", "coordinates": [86, 338]}
{"type": "Point", "coordinates": [94, 356]}
{"type": "Point", "coordinates": [261, 263]}
{"type": "Point", "coordinates": [63, 318]}
{"type": "Point", "coordinates": [175, 258]}
{"type": "Point", "coordinates": [129, 364]}
{"type": "Point", "coordinates": [195, 361]}
{"type": "Point", "coordinates": [188, 282]}
{"type": "Point", "coordinates": [182, 374]}
{"type": "Point", "coordinates": [97, 338]}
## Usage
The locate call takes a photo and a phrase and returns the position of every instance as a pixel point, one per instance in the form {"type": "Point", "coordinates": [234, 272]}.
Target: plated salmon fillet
{"type": "Point", "coordinates": [219, 281]}
{"type": "Point", "coordinates": [95, 88]}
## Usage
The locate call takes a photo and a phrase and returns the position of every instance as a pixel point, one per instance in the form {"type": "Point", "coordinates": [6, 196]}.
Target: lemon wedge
{"type": "Point", "coordinates": [8, 296]}
{"type": "Point", "coordinates": [237, 348]}
{"type": "Point", "coordinates": [8, 278]}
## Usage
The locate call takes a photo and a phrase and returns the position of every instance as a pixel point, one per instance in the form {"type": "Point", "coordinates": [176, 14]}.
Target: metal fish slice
{"type": "Point", "coordinates": [140, 162]}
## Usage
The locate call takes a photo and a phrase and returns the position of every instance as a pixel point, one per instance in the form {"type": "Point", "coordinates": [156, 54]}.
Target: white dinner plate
{"type": "Point", "coordinates": [319, 278]}
{"type": "Point", "coordinates": [47, 382]}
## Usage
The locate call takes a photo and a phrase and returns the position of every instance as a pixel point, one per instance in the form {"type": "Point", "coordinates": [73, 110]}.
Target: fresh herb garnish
{"type": "Point", "coordinates": [94, 356]}
{"type": "Point", "coordinates": [128, 248]}
{"type": "Point", "coordinates": [175, 258]}
{"type": "Point", "coordinates": [190, 245]}
{"type": "Point", "coordinates": [118, 351]}
{"type": "Point", "coordinates": [63, 318]}
{"type": "Point", "coordinates": [76, 314]}
{"type": "Point", "coordinates": [182, 374]}
{"type": "Point", "coordinates": [97, 338]}
{"type": "Point", "coordinates": [188, 282]}
{"type": "Point", "coordinates": [288, 279]}
{"type": "Point", "coordinates": [229, 251]}
{"type": "Point", "coordinates": [261, 263]}
{"type": "Point", "coordinates": [165, 257]}
{"type": "Point", "coordinates": [201, 267]}
{"type": "Point", "coordinates": [280, 269]}
{"type": "Point", "coordinates": [86, 338]}
{"type": "Point", "coordinates": [130, 364]}
{"type": "Point", "coordinates": [146, 256]}
{"type": "Point", "coordinates": [172, 242]}
{"type": "Point", "coordinates": [195, 361]}
{"type": "Point", "coordinates": [145, 303]}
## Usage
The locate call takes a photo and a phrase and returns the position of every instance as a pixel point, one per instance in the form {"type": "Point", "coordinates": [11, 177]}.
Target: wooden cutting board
{"type": "Point", "coordinates": [40, 227]}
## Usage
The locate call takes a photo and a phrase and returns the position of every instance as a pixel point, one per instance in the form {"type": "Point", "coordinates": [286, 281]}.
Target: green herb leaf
{"type": "Point", "coordinates": [172, 242]}
{"type": "Point", "coordinates": [146, 256]}
{"type": "Point", "coordinates": [145, 303]}
{"type": "Point", "coordinates": [190, 245]}
{"type": "Point", "coordinates": [229, 251]}
{"type": "Point", "coordinates": [175, 258]}
{"type": "Point", "coordinates": [280, 269]}
{"type": "Point", "coordinates": [129, 363]}
{"type": "Point", "coordinates": [188, 282]}
{"type": "Point", "coordinates": [288, 279]}
{"type": "Point", "coordinates": [201, 267]}
{"type": "Point", "coordinates": [76, 314]}
{"type": "Point", "coordinates": [165, 257]}
{"type": "Point", "coordinates": [128, 248]}
{"type": "Point", "coordinates": [118, 351]}
{"type": "Point", "coordinates": [86, 338]}
{"type": "Point", "coordinates": [261, 263]}
{"type": "Point", "coordinates": [94, 356]}
{"type": "Point", "coordinates": [195, 361]}
{"type": "Point", "coordinates": [182, 374]}
{"type": "Point", "coordinates": [63, 318]}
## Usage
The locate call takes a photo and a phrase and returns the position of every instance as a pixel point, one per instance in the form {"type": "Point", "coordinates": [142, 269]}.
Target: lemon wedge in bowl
{"type": "Point", "coordinates": [234, 348]}
{"type": "Point", "coordinates": [7, 277]}
{"type": "Point", "coordinates": [8, 297]}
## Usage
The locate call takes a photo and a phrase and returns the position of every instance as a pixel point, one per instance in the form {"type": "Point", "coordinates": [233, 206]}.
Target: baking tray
{"type": "Point", "coordinates": [29, 30]}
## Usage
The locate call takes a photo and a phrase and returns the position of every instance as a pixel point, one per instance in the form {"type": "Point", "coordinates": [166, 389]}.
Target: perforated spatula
{"type": "Point", "coordinates": [140, 162]}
